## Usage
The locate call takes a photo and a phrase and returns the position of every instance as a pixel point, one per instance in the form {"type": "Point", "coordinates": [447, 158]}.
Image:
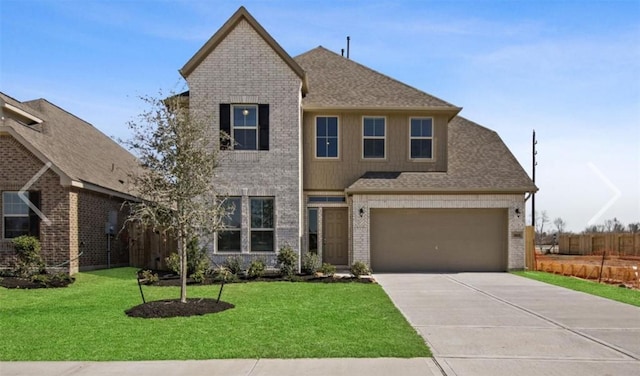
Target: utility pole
{"type": "Point", "coordinates": [533, 195]}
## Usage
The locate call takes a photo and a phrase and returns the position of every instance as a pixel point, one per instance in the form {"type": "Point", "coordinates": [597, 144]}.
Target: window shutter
{"type": "Point", "coordinates": [263, 127]}
{"type": "Point", "coordinates": [34, 219]}
{"type": "Point", "coordinates": [225, 126]}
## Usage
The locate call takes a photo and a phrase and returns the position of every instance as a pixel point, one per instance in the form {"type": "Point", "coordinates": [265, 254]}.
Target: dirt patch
{"type": "Point", "coordinates": [618, 270]}
{"type": "Point", "coordinates": [174, 308]}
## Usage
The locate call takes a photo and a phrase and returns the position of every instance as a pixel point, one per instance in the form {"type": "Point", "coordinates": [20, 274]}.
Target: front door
{"type": "Point", "coordinates": [335, 233]}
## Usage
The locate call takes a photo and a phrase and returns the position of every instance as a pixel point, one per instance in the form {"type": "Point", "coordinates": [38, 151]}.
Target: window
{"type": "Point", "coordinates": [246, 124]}
{"type": "Point", "coordinates": [373, 131]}
{"type": "Point", "coordinates": [245, 127]}
{"type": "Point", "coordinates": [262, 239]}
{"type": "Point", "coordinates": [17, 218]}
{"type": "Point", "coordinates": [313, 230]}
{"type": "Point", "coordinates": [326, 199]}
{"type": "Point", "coordinates": [229, 239]}
{"type": "Point", "coordinates": [421, 138]}
{"type": "Point", "coordinates": [326, 137]}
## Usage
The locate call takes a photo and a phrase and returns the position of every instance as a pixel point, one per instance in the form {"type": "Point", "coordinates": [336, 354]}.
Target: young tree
{"type": "Point", "coordinates": [633, 227]}
{"type": "Point", "coordinates": [560, 225]}
{"type": "Point", "coordinates": [175, 180]}
{"type": "Point", "coordinates": [541, 221]}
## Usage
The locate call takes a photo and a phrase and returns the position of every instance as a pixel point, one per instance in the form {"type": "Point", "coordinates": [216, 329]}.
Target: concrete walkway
{"type": "Point", "coordinates": [233, 367]}
{"type": "Point", "coordinates": [502, 324]}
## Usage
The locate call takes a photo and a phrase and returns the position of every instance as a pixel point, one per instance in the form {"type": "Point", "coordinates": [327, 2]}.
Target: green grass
{"type": "Point", "coordinates": [590, 287]}
{"type": "Point", "coordinates": [86, 321]}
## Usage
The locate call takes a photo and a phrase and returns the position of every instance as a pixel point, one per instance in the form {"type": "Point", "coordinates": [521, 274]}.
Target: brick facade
{"type": "Point", "coordinates": [360, 247]}
{"type": "Point", "coordinates": [244, 69]}
{"type": "Point", "coordinates": [72, 212]}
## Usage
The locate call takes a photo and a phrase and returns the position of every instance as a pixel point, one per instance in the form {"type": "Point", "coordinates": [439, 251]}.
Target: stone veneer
{"type": "Point", "coordinates": [360, 247]}
{"type": "Point", "coordinates": [244, 69]}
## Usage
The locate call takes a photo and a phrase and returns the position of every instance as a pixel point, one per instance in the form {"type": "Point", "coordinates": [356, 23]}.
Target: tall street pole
{"type": "Point", "coordinates": [533, 195]}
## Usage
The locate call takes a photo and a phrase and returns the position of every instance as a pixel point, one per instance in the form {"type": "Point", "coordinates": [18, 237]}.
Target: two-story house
{"type": "Point", "coordinates": [329, 156]}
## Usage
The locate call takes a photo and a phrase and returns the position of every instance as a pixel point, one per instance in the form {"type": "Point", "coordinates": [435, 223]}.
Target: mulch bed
{"type": "Point", "coordinates": [168, 279]}
{"type": "Point", "coordinates": [27, 283]}
{"type": "Point", "coordinates": [174, 308]}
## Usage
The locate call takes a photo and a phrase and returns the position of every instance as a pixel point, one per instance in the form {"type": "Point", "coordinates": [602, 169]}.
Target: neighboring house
{"type": "Point", "coordinates": [332, 157]}
{"type": "Point", "coordinates": [75, 178]}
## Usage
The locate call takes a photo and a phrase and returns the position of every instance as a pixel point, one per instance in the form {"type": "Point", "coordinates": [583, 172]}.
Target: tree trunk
{"type": "Point", "coordinates": [183, 271]}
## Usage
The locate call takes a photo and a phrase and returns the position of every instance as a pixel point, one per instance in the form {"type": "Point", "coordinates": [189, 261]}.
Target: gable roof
{"type": "Point", "coordinates": [81, 154]}
{"type": "Point", "coordinates": [478, 162]}
{"type": "Point", "coordinates": [221, 34]}
{"type": "Point", "coordinates": [339, 83]}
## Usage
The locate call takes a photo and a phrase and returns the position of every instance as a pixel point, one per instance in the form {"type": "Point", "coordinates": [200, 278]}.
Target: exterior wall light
{"type": "Point", "coordinates": [361, 211]}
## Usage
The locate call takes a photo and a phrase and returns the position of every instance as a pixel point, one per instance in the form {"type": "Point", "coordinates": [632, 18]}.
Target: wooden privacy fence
{"type": "Point", "coordinates": [624, 244]}
{"type": "Point", "coordinates": [530, 248]}
{"type": "Point", "coordinates": [148, 249]}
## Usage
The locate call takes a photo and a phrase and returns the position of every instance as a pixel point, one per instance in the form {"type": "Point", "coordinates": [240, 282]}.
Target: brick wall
{"type": "Point", "coordinates": [17, 167]}
{"type": "Point", "coordinates": [244, 69]}
{"type": "Point", "coordinates": [93, 214]}
{"type": "Point", "coordinates": [77, 217]}
{"type": "Point", "coordinates": [360, 247]}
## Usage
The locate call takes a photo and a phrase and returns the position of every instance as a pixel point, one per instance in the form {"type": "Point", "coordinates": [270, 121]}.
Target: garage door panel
{"type": "Point", "coordinates": [438, 240]}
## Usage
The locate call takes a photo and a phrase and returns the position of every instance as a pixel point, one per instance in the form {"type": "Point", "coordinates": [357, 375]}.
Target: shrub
{"type": "Point", "coordinates": [53, 280]}
{"type": "Point", "coordinates": [197, 261]}
{"type": "Point", "coordinates": [310, 263]}
{"type": "Point", "coordinates": [234, 264]}
{"type": "Point", "coordinates": [256, 269]}
{"type": "Point", "coordinates": [29, 259]}
{"type": "Point", "coordinates": [327, 269]}
{"type": "Point", "coordinates": [287, 259]}
{"type": "Point", "coordinates": [223, 274]}
{"type": "Point", "coordinates": [149, 277]}
{"type": "Point", "coordinates": [359, 268]}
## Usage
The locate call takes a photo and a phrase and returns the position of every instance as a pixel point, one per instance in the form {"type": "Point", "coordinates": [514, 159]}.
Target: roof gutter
{"type": "Point", "coordinates": [99, 189]}
{"type": "Point", "coordinates": [451, 111]}
{"type": "Point", "coordinates": [521, 190]}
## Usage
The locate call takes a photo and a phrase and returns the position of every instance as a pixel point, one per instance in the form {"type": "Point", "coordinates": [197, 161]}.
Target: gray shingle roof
{"type": "Point", "coordinates": [73, 146]}
{"type": "Point", "coordinates": [478, 162]}
{"type": "Point", "coordinates": [337, 82]}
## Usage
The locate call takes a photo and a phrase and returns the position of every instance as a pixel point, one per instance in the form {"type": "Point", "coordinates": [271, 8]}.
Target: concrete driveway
{"type": "Point", "coordinates": [502, 324]}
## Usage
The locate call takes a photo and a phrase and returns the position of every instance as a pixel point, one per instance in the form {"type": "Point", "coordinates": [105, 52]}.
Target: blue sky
{"type": "Point", "coordinates": [568, 69]}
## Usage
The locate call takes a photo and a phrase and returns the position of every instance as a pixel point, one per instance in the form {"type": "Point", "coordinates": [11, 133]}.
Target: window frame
{"type": "Point", "coordinates": [255, 127]}
{"type": "Point", "coordinates": [315, 137]}
{"type": "Point", "coordinates": [272, 230]}
{"type": "Point", "coordinates": [233, 229]}
{"type": "Point", "coordinates": [432, 139]}
{"type": "Point", "coordinates": [312, 236]}
{"type": "Point", "coordinates": [5, 215]}
{"type": "Point", "coordinates": [383, 138]}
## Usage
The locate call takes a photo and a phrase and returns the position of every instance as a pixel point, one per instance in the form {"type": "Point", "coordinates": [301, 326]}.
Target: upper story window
{"type": "Point", "coordinates": [245, 126]}
{"type": "Point", "coordinates": [326, 137]}
{"type": "Point", "coordinates": [373, 137]}
{"type": "Point", "coordinates": [421, 138]}
{"type": "Point", "coordinates": [229, 239]}
{"type": "Point", "coordinates": [17, 219]}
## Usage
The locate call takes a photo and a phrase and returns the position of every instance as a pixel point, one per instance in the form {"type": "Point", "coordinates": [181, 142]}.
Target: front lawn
{"type": "Point", "coordinates": [620, 294]}
{"type": "Point", "coordinates": [86, 321]}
